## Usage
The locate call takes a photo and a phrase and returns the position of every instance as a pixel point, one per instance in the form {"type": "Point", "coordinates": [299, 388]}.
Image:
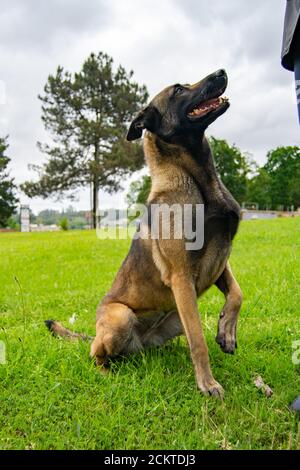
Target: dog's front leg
{"type": "Point", "coordinates": [186, 301]}
{"type": "Point", "coordinates": [226, 336]}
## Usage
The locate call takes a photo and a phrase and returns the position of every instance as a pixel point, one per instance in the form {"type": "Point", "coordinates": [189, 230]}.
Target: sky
{"type": "Point", "coordinates": [163, 42]}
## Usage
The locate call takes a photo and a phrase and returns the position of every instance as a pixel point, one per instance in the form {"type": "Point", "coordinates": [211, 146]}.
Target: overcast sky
{"type": "Point", "coordinates": [164, 42]}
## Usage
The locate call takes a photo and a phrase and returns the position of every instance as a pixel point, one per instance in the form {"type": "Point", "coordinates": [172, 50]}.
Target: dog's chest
{"type": "Point", "coordinates": [220, 224]}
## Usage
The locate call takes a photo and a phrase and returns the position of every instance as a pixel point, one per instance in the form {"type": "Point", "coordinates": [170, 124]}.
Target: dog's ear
{"type": "Point", "coordinates": [146, 119]}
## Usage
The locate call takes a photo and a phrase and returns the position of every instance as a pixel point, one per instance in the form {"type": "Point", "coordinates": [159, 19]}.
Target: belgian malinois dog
{"type": "Point", "coordinates": [154, 295]}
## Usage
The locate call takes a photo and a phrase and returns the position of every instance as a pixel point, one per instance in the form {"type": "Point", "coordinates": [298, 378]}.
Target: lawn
{"type": "Point", "coordinates": [52, 396]}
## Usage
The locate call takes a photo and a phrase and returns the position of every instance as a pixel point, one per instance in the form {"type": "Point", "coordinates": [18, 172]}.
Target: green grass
{"type": "Point", "coordinates": [52, 397]}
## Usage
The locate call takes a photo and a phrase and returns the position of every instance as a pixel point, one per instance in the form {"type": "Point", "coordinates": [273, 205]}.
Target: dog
{"type": "Point", "coordinates": [154, 295]}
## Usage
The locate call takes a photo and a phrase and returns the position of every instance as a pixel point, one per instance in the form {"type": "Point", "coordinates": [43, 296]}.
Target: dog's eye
{"type": "Point", "coordinates": [178, 89]}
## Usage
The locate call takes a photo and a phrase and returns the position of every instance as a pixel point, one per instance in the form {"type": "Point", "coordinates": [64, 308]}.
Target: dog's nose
{"type": "Point", "coordinates": [220, 73]}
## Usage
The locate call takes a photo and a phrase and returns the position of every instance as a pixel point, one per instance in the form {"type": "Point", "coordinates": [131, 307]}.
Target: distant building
{"type": "Point", "coordinates": [44, 228]}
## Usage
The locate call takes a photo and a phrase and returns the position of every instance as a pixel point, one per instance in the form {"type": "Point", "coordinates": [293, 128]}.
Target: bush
{"type": "Point", "coordinates": [64, 224]}
{"type": "Point", "coordinates": [13, 224]}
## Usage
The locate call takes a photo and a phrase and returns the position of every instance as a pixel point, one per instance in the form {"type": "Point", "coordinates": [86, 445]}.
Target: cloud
{"type": "Point", "coordinates": [37, 24]}
{"type": "Point", "coordinates": [163, 42]}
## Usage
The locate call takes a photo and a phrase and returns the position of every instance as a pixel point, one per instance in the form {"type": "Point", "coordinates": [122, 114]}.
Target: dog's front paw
{"type": "Point", "coordinates": [212, 387]}
{"type": "Point", "coordinates": [226, 336]}
{"type": "Point", "coordinates": [227, 342]}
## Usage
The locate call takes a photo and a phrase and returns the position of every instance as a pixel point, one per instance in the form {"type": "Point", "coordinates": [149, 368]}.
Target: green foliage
{"type": "Point", "coordinates": [87, 115]}
{"type": "Point", "coordinates": [259, 189]}
{"type": "Point", "coordinates": [283, 168]}
{"type": "Point", "coordinates": [139, 191]}
{"type": "Point", "coordinates": [53, 397]}
{"type": "Point", "coordinates": [8, 199]}
{"type": "Point", "coordinates": [233, 167]}
{"type": "Point", "coordinates": [48, 217]}
{"type": "Point", "coordinates": [275, 185]}
{"type": "Point", "coordinates": [76, 219]}
{"type": "Point", "coordinates": [13, 223]}
{"type": "Point", "coordinates": [78, 222]}
{"type": "Point", "coordinates": [64, 224]}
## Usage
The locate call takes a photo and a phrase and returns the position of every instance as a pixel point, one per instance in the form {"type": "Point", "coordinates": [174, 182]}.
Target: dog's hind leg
{"type": "Point", "coordinates": [115, 333]}
{"type": "Point", "coordinates": [226, 336]}
{"type": "Point", "coordinates": [165, 327]}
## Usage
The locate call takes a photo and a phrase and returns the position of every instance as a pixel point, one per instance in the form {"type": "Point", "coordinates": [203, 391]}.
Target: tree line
{"type": "Point", "coordinates": [86, 115]}
{"type": "Point", "coordinates": [76, 219]}
{"type": "Point", "coordinates": [275, 185]}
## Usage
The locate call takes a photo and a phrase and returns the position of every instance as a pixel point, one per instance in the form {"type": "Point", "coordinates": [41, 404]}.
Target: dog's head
{"type": "Point", "coordinates": [183, 109]}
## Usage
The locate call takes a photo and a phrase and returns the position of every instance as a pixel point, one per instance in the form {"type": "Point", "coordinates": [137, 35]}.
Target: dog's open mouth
{"type": "Point", "coordinates": [207, 106]}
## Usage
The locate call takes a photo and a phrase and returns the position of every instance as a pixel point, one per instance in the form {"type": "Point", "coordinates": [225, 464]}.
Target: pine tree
{"type": "Point", "coordinates": [87, 115]}
{"type": "Point", "coordinates": [8, 199]}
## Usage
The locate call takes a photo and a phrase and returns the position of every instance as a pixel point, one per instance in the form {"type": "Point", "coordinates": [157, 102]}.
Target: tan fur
{"type": "Point", "coordinates": [172, 285]}
{"type": "Point", "coordinates": [154, 295]}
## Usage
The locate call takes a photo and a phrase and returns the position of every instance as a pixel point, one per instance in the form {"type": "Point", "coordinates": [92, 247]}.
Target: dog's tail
{"type": "Point", "coordinates": [57, 329]}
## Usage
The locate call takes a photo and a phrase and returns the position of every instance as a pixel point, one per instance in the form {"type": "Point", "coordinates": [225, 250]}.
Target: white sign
{"type": "Point", "coordinates": [25, 219]}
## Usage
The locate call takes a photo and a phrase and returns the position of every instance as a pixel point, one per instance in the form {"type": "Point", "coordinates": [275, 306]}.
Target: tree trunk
{"type": "Point", "coordinates": [95, 202]}
{"type": "Point", "coordinates": [95, 183]}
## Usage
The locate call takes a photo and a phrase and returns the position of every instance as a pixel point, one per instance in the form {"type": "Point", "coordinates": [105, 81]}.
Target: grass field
{"type": "Point", "coordinates": [52, 396]}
